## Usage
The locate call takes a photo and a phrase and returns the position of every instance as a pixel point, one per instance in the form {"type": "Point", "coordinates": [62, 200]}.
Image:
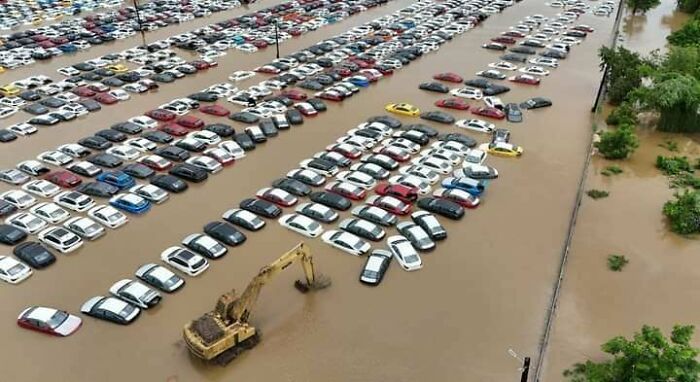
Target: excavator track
{"type": "Point", "coordinates": [229, 355]}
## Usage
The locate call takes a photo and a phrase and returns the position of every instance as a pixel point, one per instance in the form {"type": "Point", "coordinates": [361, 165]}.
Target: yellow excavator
{"type": "Point", "coordinates": [224, 333]}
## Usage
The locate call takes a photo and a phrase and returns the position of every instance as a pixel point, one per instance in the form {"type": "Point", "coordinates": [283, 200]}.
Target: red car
{"type": "Point", "coordinates": [221, 156]}
{"type": "Point", "coordinates": [331, 96]}
{"type": "Point", "coordinates": [503, 40]}
{"type": "Point", "coordinates": [216, 110]}
{"type": "Point", "coordinates": [161, 115]}
{"type": "Point", "coordinates": [343, 72]}
{"type": "Point", "coordinates": [386, 71]}
{"type": "Point", "coordinates": [346, 150]}
{"type": "Point", "coordinates": [105, 99]}
{"type": "Point", "coordinates": [174, 129]}
{"type": "Point", "coordinates": [361, 63]}
{"type": "Point", "coordinates": [347, 190]}
{"type": "Point", "coordinates": [190, 122]}
{"type": "Point", "coordinates": [156, 162]}
{"type": "Point", "coordinates": [268, 69]}
{"type": "Point", "coordinates": [403, 193]}
{"type": "Point", "coordinates": [583, 28]}
{"type": "Point", "coordinates": [259, 44]}
{"type": "Point", "coordinates": [396, 153]}
{"type": "Point", "coordinates": [449, 77]}
{"type": "Point", "coordinates": [306, 109]}
{"type": "Point", "coordinates": [371, 77]}
{"type": "Point", "coordinates": [200, 64]}
{"type": "Point", "coordinates": [525, 79]}
{"type": "Point", "coordinates": [294, 94]}
{"type": "Point", "coordinates": [278, 196]}
{"type": "Point", "coordinates": [82, 91]}
{"type": "Point", "coordinates": [391, 204]}
{"type": "Point", "coordinates": [65, 179]}
{"type": "Point", "coordinates": [490, 112]}
{"type": "Point", "coordinates": [453, 103]}
{"type": "Point", "coordinates": [49, 321]}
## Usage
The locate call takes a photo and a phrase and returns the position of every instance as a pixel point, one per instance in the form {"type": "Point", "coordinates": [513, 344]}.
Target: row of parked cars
{"type": "Point", "coordinates": [15, 13]}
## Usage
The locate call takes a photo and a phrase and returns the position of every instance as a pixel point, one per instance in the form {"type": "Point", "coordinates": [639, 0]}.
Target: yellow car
{"type": "Point", "coordinates": [9, 90]}
{"type": "Point", "coordinates": [2, 69]}
{"type": "Point", "coordinates": [118, 68]}
{"type": "Point", "coordinates": [37, 21]}
{"type": "Point", "coordinates": [502, 149]}
{"type": "Point", "coordinates": [402, 109]}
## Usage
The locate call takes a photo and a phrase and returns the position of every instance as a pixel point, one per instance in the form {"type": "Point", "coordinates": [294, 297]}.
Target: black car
{"type": "Point", "coordinates": [157, 136]}
{"type": "Point", "coordinates": [169, 183]}
{"type": "Point", "coordinates": [536, 103]}
{"type": "Point", "coordinates": [480, 83]}
{"type": "Point", "coordinates": [317, 104]}
{"type": "Point", "coordinates": [29, 95]}
{"type": "Point", "coordinates": [84, 67]}
{"type": "Point", "coordinates": [375, 267]}
{"type": "Point", "coordinates": [34, 254]}
{"type": "Point", "coordinates": [310, 85]}
{"type": "Point", "coordinates": [429, 223]}
{"type": "Point", "coordinates": [163, 77]}
{"type": "Point", "coordinates": [191, 145]}
{"type": "Point", "coordinates": [173, 153]}
{"type": "Point", "coordinates": [126, 127]}
{"type": "Point", "coordinates": [95, 143]}
{"type": "Point", "coordinates": [434, 87]}
{"type": "Point", "coordinates": [36, 109]}
{"type": "Point", "coordinates": [387, 120]}
{"type": "Point", "coordinates": [523, 50]}
{"type": "Point", "coordinates": [514, 57]}
{"type": "Point", "coordinates": [104, 72]}
{"type": "Point", "coordinates": [111, 135]}
{"type": "Point", "coordinates": [294, 117]}
{"type": "Point", "coordinates": [495, 89]}
{"type": "Point", "coordinates": [331, 200]}
{"type": "Point", "coordinates": [6, 208]}
{"type": "Point", "coordinates": [105, 160]}
{"type": "Point", "coordinates": [138, 170]}
{"type": "Point", "coordinates": [90, 105]}
{"type": "Point", "coordinates": [220, 129]}
{"type": "Point", "coordinates": [98, 189]}
{"type": "Point", "coordinates": [532, 43]}
{"type": "Point", "coordinates": [460, 138]}
{"type": "Point", "coordinates": [204, 96]}
{"type": "Point", "coordinates": [438, 116]}
{"type": "Point", "coordinates": [369, 133]}
{"type": "Point", "coordinates": [575, 33]}
{"type": "Point", "coordinates": [261, 207]}
{"type": "Point", "coordinates": [244, 117]}
{"type": "Point", "coordinates": [554, 53]}
{"type": "Point", "coordinates": [7, 135]}
{"type": "Point", "coordinates": [52, 102]}
{"type": "Point", "coordinates": [268, 128]}
{"type": "Point", "coordinates": [292, 186]}
{"type": "Point", "coordinates": [189, 172]}
{"type": "Point", "coordinates": [225, 233]}
{"type": "Point", "coordinates": [113, 82]}
{"type": "Point", "coordinates": [10, 235]}
{"type": "Point", "coordinates": [244, 140]}
{"type": "Point", "coordinates": [513, 112]}
{"type": "Point", "coordinates": [442, 207]}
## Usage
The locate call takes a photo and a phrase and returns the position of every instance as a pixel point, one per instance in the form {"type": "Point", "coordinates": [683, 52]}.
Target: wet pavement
{"type": "Point", "coordinates": [482, 291]}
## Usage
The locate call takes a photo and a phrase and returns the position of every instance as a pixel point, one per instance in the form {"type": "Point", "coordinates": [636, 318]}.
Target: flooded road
{"type": "Point", "coordinates": [484, 290]}
{"type": "Point", "coordinates": [663, 275]}
{"type": "Point", "coordinates": [644, 33]}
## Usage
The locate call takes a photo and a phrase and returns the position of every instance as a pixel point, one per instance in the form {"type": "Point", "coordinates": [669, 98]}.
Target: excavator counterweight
{"type": "Point", "coordinates": [222, 334]}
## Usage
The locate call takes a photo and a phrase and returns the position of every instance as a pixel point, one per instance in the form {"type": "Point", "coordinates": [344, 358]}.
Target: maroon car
{"type": "Point", "coordinates": [216, 110]}
{"type": "Point", "coordinates": [294, 94]}
{"type": "Point", "coordinates": [105, 99]}
{"type": "Point", "coordinates": [453, 103]}
{"type": "Point", "coordinates": [200, 64]}
{"type": "Point", "coordinates": [161, 115]}
{"type": "Point", "coordinates": [190, 122]}
{"type": "Point", "coordinates": [174, 129]}
{"type": "Point", "coordinates": [82, 91]}
{"type": "Point", "coordinates": [403, 193]}
{"type": "Point", "coordinates": [449, 77]}
{"type": "Point", "coordinates": [490, 112]}
{"type": "Point", "coordinates": [504, 40]}
{"type": "Point", "coordinates": [62, 178]}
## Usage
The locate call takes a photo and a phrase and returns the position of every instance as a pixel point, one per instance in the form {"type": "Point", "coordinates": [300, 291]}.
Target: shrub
{"type": "Point", "coordinates": [617, 262]}
{"type": "Point", "coordinates": [622, 115]}
{"type": "Point", "coordinates": [597, 194]}
{"type": "Point", "coordinates": [673, 165]}
{"type": "Point", "coordinates": [683, 213]}
{"type": "Point", "coordinates": [619, 143]}
{"type": "Point", "coordinates": [669, 145]}
{"type": "Point", "coordinates": [611, 170]}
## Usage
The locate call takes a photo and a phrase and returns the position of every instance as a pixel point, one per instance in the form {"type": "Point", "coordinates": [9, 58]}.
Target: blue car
{"type": "Point", "coordinates": [130, 203]}
{"type": "Point", "coordinates": [358, 81]}
{"type": "Point", "coordinates": [472, 186]}
{"type": "Point", "coordinates": [68, 48]}
{"type": "Point", "coordinates": [238, 40]}
{"type": "Point", "coordinates": [117, 179]}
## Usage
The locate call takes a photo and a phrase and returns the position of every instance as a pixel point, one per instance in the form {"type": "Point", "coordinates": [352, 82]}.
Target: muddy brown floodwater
{"type": "Point", "coordinates": [659, 285]}
{"type": "Point", "coordinates": [484, 290]}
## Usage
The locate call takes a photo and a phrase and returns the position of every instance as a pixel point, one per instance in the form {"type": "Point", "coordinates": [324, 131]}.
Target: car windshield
{"type": "Point", "coordinates": [172, 281]}
{"type": "Point", "coordinates": [18, 268]}
{"type": "Point", "coordinates": [411, 259]}
{"type": "Point", "coordinates": [57, 319]}
{"type": "Point", "coordinates": [370, 274]}
{"type": "Point", "coordinates": [56, 213]}
{"type": "Point", "coordinates": [114, 217]}
{"type": "Point", "coordinates": [128, 309]}
{"type": "Point", "coordinates": [73, 239]}
{"type": "Point", "coordinates": [198, 264]}
{"type": "Point", "coordinates": [358, 244]}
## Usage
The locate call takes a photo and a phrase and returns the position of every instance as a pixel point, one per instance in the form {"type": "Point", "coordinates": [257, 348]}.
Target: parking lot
{"type": "Point", "coordinates": [483, 290]}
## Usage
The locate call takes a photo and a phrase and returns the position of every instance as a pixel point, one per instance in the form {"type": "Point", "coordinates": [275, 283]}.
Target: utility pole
{"type": "Point", "coordinates": [277, 38]}
{"type": "Point", "coordinates": [138, 20]}
{"type": "Point", "coordinates": [525, 369]}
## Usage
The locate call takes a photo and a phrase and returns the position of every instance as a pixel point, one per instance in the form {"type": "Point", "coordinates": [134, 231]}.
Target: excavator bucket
{"type": "Point", "coordinates": [320, 282]}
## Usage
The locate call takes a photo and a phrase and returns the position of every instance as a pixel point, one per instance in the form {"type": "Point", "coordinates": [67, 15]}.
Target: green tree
{"type": "Point", "coordinates": [622, 115]}
{"type": "Point", "coordinates": [641, 5]}
{"type": "Point", "coordinates": [689, 6]}
{"type": "Point", "coordinates": [687, 35]}
{"type": "Point", "coordinates": [618, 143]}
{"type": "Point", "coordinates": [648, 357]}
{"type": "Point", "coordinates": [677, 98]}
{"type": "Point", "coordinates": [624, 72]}
{"type": "Point", "coordinates": [683, 60]}
{"type": "Point", "coordinates": [684, 212]}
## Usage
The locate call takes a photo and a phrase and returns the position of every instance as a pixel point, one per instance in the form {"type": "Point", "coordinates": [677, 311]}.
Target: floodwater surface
{"type": "Point", "coordinates": [482, 291]}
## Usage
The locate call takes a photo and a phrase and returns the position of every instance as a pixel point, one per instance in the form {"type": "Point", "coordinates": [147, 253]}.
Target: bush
{"type": "Point", "coordinates": [611, 170]}
{"type": "Point", "coordinates": [669, 145]}
{"type": "Point", "coordinates": [597, 194]}
{"type": "Point", "coordinates": [685, 179]}
{"type": "Point", "coordinates": [683, 213]}
{"type": "Point", "coordinates": [622, 115]}
{"type": "Point", "coordinates": [617, 262]}
{"type": "Point", "coordinates": [673, 165]}
{"type": "Point", "coordinates": [619, 143]}
{"type": "Point", "coordinates": [688, 35]}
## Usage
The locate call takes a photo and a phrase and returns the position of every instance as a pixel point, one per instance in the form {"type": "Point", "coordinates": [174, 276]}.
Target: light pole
{"type": "Point", "coordinates": [138, 20]}
{"type": "Point", "coordinates": [277, 38]}
{"type": "Point", "coordinates": [525, 369]}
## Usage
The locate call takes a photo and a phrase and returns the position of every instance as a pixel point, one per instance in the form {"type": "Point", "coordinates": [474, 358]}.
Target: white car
{"type": "Point", "coordinates": [135, 88]}
{"type": "Point", "coordinates": [42, 188]}
{"type": "Point", "coordinates": [160, 277]}
{"type": "Point", "coordinates": [18, 198]}
{"type": "Point", "coordinates": [421, 184]}
{"type": "Point", "coordinates": [135, 293]}
{"type": "Point", "coordinates": [13, 271]}
{"type": "Point", "coordinates": [453, 146]}
{"type": "Point", "coordinates": [150, 192]}
{"type": "Point", "coordinates": [84, 227]}
{"type": "Point", "coordinates": [404, 253]}
{"type": "Point", "coordinates": [467, 92]}
{"type": "Point", "coordinates": [206, 163]}
{"type": "Point", "coordinates": [474, 156]}
{"type": "Point", "coordinates": [124, 152]}
{"type": "Point", "coordinates": [108, 216]}
{"type": "Point", "coordinates": [240, 75]}
{"type": "Point", "coordinates": [357, 178]}
{"type": "Point", "coordinates": [141, 144]}
{"type": "Point", "coordinates": [26, 222]}
{"type": "Point", "coordinates": [7, 111]}
{"type": "Point", "coordinates": [50, 212]}
{"type": "Point", "coordinates": [13, 176]}
{"type": "Point", "coordinates": [362, 143]}
{"type": "Point", "coordinates": [85, 168]}
{"type": "Point", "coordinates": [494, 102]}
{"type": "Point", "coordinates": [503, 65]}
{"type": "Point", "coordinates": [68, 97]}
{"type": "Point", "coordinates": [75, 150]}
{"type": "Point", "coordinates": [478, 125]}
{"type": "Point", "coordinates": [376, 126]}
{"type": "Point", "coordinates": [205, 136]}
{"type": "Point", "coordinates": [184, 260]}
{"type": "Point", "coordinates": [534, 70]}
{"type": "Point", "coordinates": [491, 73]}
{"type": "Point", "coordinates": [61, 239]}
{"type": "Point", "coordinates": [545, 61]}
{"type": "Point", "coordinates": [74, 108]}
{"type": "Point", "coordinates": [434, 164]}
{"type": "Point", "coordinates": [33, 167]}
{"type": "Point", "coordinates": [423, 172]}
{"type": "Point", "coordinates": [233, 148]}
{"type": "Point", "coordinates": [22, 129]}
{"type": "Point", "coordinates": [144, 121]}
{"type": "Point", "coordinates": [55, 158]}
{"type": "Point", "coordinates": [346, 242]}
{"type": "Point", "coordinates": [446, 155]}
{"type": "Point", "coordinates": [301, 224]}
